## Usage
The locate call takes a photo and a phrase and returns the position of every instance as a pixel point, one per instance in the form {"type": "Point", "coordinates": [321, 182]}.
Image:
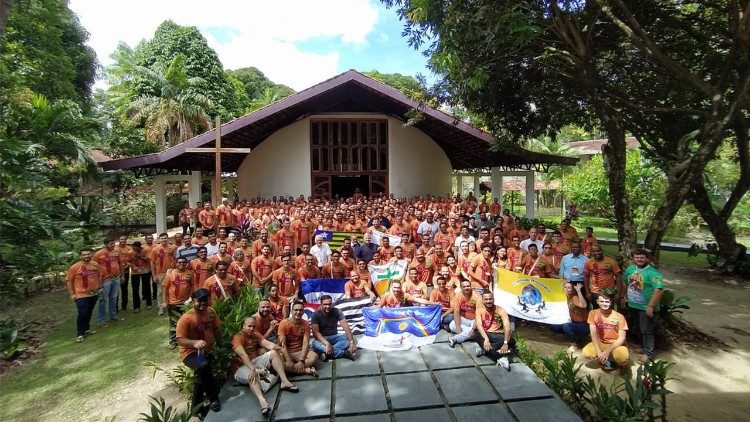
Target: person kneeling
{"type": "Point", "coordinates": [294, 339]}
{"type": "Point", "coordinates": [494, 332]}
{"type": "Point", "coordinates": [253, 351]}
{"type": "Point", "coordinates": [608, 329]}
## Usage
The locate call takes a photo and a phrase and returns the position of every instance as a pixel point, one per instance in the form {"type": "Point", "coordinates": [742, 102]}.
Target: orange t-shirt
{"type": "Point", "coordinates": [355, 290]}
{"type": "Point", "coordinates": [445, 299]}
{"type": "Point", "coordinates": [287, 280]}
{"type": "Point", "coordinates": [202, 270]}
{"type": "Point", "coordinates": [577, 313]}
{"type": "Point", "coordinates": [258, 246]}
{"type": "Point", "coordinates": [207, 217]}
{"type": "Point", "coordinates": [230, 284]}
{"type": "Point", "coordinates": [277, 307]}
{"type": "Point", "coordinates": [491, 319]}
{"type": "Point", "coordinates": [264, 324]}
{"type": "Point", "coordinates": [468, 306]}
{"type": "Point", "coordinates": [240, 271]}
{"type": "Point", "coordinates": [543, 267]}
{"type": "Point", "coordinates": [178, 285]}
{"type": "Point", "coordinates": [515, 258]}
{"type": "Point", "coordinates": [263, 266]}
{"type": "Point", "coordinates": [86, 279]}
{"type": "Point", "coordinates": [109, 263]}
{"type": "Point", "coordinates": [418, 289]}
{"type": "Point", "coordinates": [306, 272]}
{"type": "Point", "coordinates": [294, 333]}
{"type": "Point", "coordinates": [200, 241]}
{"type": "Point", "coordinates": [603, 273]}
{"type": "Point", "coordinates": [482, 269]}
{"type": "Point", "coordinates": [162, 258]}
{"type": "Point", "coordinates": [607, 328]}
{"type": "Point", "coordinates": [286, 237]}
{"type": "Point", "coordinates": [333, 271]}
{"type": "Point", "coordinates": [587, 243]}
{"type": "Point", "coordinates": [303, 229]}
{"type": "Point", "coordinates": [193, 326]}
{"type": "Point", "coordinates": [389, 300]}
{"type": "Point", "coordinates": [250, 344]}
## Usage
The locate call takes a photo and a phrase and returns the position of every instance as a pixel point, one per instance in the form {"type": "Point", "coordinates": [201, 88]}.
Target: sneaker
{"type": "Point", "coordinates": [79, 339]}
{"type": "Point", "coordinates": [215, 405]}
{"type": "Point", "coordinates": [478, 351]}
{"type": "Point", "coordinates": [503, 361]}
{"type": "Point", "coordinates": [609, 365]}
{"type": "Point", "coordinates": [89, 332]}
{"type": "Point", "coordinates": [451, 342]}
{"type": "Point", "coordinates": [172, 345]}
{"type": "Point", "coordinates": [160, 312]}
{"type": "Point", "coordinates": [323, 357]}
{"type": "Point", "coordinates": [644, 360]}
{"type": "Point", "coordinates": [349, 355]}
{"type": "Point", "coordinates": [102, 325]}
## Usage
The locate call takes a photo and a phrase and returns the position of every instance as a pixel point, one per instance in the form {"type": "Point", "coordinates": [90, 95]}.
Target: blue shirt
{"type": "Point", "coordinates": [571, 267]}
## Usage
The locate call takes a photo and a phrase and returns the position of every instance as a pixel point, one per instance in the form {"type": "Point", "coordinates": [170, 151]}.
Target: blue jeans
{"type": "Point", "coordinates": [574, 331]}
{"type": "Point", "coordinates": [340, 345]}
{"type": "Point", "coordinates": [108, 298]}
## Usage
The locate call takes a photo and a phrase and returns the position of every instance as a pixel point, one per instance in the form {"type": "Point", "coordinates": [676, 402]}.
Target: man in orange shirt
{"type": "Point", "coordinates": [334, 268]}
{"type": "Point", "coordinates": [480, 271]}
{"type": "Point", "coordinates": [414, 286]}
{"type": "Point", "coordinates": [224, 215]}
{"type": "Point", "coordinates": [111, 274]}
{"type": "Point", "coordinates": [199, 239]}
{"type": "Point", "coordinates": [221, 284]}
{"type": "Point", "coordinates": [253, 351]}
{"type": "Point", "coordinates": [286, 237]}
{"type": "Point", "coordinates": [464, 313]}
{"type": "Point", "coordinates": [608, 329]}
{"type": "Point", "coordinates": [279, 304]}
{"type": "Point", "coordinates": [177, 287]}
{"type": "Point", "coordinates": [223, 254]}
{"type": "Point", "coordinates": [196, 331]}
{"type": "Point", "coordinates": [589, 241]}
{"type": "Point", "coordinates": [262, 268]}
{"type": "Point", "coordinates": [356, 287]}
{"type": "Point", "coordinates": [123, 252]}
{"type": "Point", "coordinates": [294, 338]}
{"type": "Point", "coordinates": [444, 296]}
{"type": "Point", "coordinates": [140, 275]}
{"type": "Point", "coordinates": [537, 265]}
{"type": "Point", "coordinates": [601, 275]}
{"type": "Point", "coordinates": [263, 240]}
{"type": "Point", "coordinates": [309, 269]}
{"type": "Point", "coordinates": [162, 259]}
{"type": "Point", "coordinates": [397, 298]}
{"type": "Point", "coordinates": [83, 281]}
{"type": "Point", "coordinates": [515, 255]}
{"type": "Point", "coordinates": [494, 332]}
{"type": "Point", "coordinates": [286, 278]}
{"type": "Point", "coordinates": [202, 267]}
{"type": "Point", "coordinates": [207, 218]}
{"type": "Point", "coordinates": [303, 227]}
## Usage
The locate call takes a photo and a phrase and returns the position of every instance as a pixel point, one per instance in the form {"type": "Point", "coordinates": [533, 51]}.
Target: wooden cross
{"type": "Point", "coordinates": [218, 150]}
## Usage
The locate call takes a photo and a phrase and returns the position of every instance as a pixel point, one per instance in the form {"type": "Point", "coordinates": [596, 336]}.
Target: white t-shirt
{"type": "Point", "coordinates": [322, 253]}
{"type": "Point", "coordinates": [460, 239]}
{"type": "Point", "coordinates": [525, 244]}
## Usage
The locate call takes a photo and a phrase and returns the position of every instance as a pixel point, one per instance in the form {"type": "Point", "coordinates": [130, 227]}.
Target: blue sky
{"type": "Point", "coordinates": [294, 42]}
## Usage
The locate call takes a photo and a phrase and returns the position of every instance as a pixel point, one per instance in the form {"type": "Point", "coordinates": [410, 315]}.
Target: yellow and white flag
{"type": "Point", "coordinates": [382, 275]}
{"type": "Point", "coordinates": [377, 237]}
{"type": "Point", "coordinates": [532, 298]}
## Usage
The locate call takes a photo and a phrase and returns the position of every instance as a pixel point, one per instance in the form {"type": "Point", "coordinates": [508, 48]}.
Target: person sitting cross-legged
{"type": "Point", "coordinates": [465, 307]}
{"type": "Point", "coordinates": [294, 339]}
{"type": "Point", "coordinates": [577, 329]}
{"type": "Point", "coordinates": [494, 332]}
{"type": "Point", "coordinates": [608, 329]}
{"type": "Point", "coordinates": [327, 342]}
{"type": "Point", "coordinates": [253, 351]}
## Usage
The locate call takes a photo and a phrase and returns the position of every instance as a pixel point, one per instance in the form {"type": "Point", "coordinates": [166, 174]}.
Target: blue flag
{"type": "Point", "coordinates": [419, 321]}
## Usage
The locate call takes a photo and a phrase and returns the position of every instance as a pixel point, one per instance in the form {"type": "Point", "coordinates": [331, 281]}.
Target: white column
{"type": "Point", "coordinates": [497, 184]}
{"type": "Point", "coordinates": [530, 194]}
{"type": "Point", "coordinates": [160, 194]}
{"type": "Point", "coordinates": [194, 188]}
{"type": "Point", "coordinates": [476, 186]}
{"type": "Point", "coordinates": [459, 185]}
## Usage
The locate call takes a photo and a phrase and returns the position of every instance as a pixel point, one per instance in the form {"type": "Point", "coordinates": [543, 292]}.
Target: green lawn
{"type": "Point", "coordinates": [66, 376]}
{"type": "Point", "coordinates": [668, 259]}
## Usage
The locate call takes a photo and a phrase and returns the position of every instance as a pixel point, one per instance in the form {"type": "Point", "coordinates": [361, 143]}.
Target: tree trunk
{"type": "Point", "coordinates": [614, 156]}
{"type": "Point", "coordinates": [726, 240]}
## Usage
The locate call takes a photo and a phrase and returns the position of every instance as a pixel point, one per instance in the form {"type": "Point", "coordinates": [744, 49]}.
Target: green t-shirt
{"type": "Point", "coordinates": [641, 285]}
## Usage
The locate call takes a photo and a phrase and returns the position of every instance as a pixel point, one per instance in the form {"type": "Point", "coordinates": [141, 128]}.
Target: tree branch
{"type": "Point", "coordinates": [743, 157]}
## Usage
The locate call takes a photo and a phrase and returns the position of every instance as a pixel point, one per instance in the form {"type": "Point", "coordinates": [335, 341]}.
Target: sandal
{"type": "Point", "coordinates": [266, 410]}
{"type": "Point", "coordinates": [291, 389]}
{"type": "Point", "coordinates": [313, 372]}
{"type": "Point", "coordinates": [79, 339]}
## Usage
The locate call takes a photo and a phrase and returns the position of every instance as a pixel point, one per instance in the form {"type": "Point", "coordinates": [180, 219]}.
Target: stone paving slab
{"type": "Point", "coordinates": [325, 370]}
{"type": "Point", "coordinates": [442, 337]}
{"type": "Point", "coordinates": [426, 415]}
{"type": "Point", "coordinates": [368, 390]}
{"type": "Point", "coordinates": [366, 364]}
{"type": "Point", "coordinates": [412, 390]}
{"type": "Point", "coordinates": [478, 360]}
{"type": "Point", "coordinates": [495, 412]}
{"type": "Point", "coordinates": [382, 417]}
{"type": "Point", "coordinates": [239, 404]}
{"type": "Point", "coordinates": [313, 399]}
{"type": "Point", "coordinates": [465, 385]}
{"type": "Point", "coordinates": [403, 361]}
{"type": "Point", "coordinates": [441, 357]}
{"type": "Point", "coordinates": [521, 383]}
{"type": "Point", "coordinates": [552, 409]}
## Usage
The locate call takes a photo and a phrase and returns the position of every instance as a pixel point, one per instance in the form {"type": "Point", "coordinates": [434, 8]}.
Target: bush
{"type": "Point", "coordinates": [133, 210]}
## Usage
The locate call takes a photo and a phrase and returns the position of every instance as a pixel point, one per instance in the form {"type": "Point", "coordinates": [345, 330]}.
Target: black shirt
{"type": "Point", "coordinates": [327, 324]}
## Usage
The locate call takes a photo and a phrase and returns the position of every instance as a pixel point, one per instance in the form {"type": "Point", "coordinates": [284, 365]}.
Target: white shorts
{"type": "Point", "coordinates": [242, 374]}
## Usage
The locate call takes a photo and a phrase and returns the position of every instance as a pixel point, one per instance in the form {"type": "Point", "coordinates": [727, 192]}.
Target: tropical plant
{"type": "Point", "coordinates": [670, 306]}
{"type": "Point", "coordinates": [160, 412]}
{"type": "Point", "coordinates": [11, 345]}
{"type": "Point", "coordinates": [176, 110]}
{"type": "Point", "coordinates": [181, 377]}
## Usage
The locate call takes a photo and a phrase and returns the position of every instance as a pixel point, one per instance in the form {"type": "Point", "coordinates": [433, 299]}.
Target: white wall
{"type": "Point", "coordinates": [416, 164]}
{"type": "Point", "coordinates": [280, 165]}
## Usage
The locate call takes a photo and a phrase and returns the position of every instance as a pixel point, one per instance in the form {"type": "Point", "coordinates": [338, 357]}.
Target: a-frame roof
{"type": "Point", "coordinates": [351, 92]}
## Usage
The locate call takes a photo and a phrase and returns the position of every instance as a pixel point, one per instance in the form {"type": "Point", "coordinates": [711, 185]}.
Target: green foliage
{"type": "Point", "coordinates": [181, 377]}
{"type": "Point", "coordinates": [136, 209]}
{"type": "Point", "coordinates": [160, 412]}
{"type": "Point", "coordinates": [200, 61]}
{"type": "Point", "coordinates": [563, 377]}
{"type": "Point", "coordinates": [255, 84]}
{"type": "Point", "coordinates": [44, 49]}
{"type": "Point", "coordinates": [11, 345]}
{"type": "Point", "coordinates": [587, 187]}
{"type": "Point", "coordinates": [670, 306]}
{"type": "Point", "coordinates": [232, 314]}
{"type": "Point", "coordinates": [716, 260]}
{"type": "Point", "coordinates": [410, 86]}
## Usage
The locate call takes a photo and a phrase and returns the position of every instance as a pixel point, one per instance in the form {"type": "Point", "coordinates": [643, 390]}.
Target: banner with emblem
{"type": "Point", "coordinates": [389, 329]}
{"type": "Point", "coordinates": [335, 239]}
{"type": "Point", "coordinates": [531, 298]}
{"type": "Point", "coordinates": [377, 237]}
{"type": "Point", "coordinates": [382, 275]}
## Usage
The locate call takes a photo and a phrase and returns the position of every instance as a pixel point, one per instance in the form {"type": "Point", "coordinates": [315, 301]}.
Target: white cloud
{"type": "Point", "coordinates": [264, 34]}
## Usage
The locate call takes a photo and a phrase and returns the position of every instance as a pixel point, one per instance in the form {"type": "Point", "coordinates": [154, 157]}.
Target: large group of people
{"type": "Point", "coordinates": [451, 246]}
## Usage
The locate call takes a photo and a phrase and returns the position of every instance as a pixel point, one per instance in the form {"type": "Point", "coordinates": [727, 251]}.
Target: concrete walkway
{"type": "Point", "coordinates": [433, 383]}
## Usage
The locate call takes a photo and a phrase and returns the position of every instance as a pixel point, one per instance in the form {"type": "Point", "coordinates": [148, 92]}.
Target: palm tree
{"type": "Point", "coordinates": [175, 111]}
{"type": "Point", "coordinates": [269, 96]}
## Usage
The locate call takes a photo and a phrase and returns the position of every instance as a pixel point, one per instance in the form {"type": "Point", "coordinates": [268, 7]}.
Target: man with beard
{"type": "Point", "coordinates": [267, 324]}
{"type": "Point", "coordinates": [645, 285]}
{"type": "Point", "coordinates": [83, 280]}
{"type": "Point", "coordinates": [465, 307]}
{"type": "Point", "coordinates": [601, 275]}
{"type": "Point", "coordinates": [327, 342]}
{"type": "Point", "coordinates": [111, 273]}
{"type": "Point", "coordinates": [493, 333]}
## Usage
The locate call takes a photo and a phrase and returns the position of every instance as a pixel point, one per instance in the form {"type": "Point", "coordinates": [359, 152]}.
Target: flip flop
{"type": "Point", "coordinates": [266, 410]}
{"type": "Point", "coordinates": [79, 339]}
{"type": "Point", "coordinates": [291, 389]}
{"type": "Point", "coordinates": [314, 372]}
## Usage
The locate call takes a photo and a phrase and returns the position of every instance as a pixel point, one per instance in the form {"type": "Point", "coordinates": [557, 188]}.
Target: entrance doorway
{"type": "Point", "coordinates": [344, 186]}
